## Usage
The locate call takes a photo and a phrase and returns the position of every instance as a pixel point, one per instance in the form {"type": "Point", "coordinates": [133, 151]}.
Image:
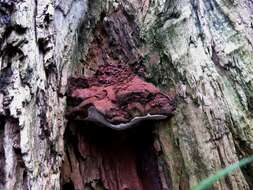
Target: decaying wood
{"type": "Point", "coordinates": [200, 50]}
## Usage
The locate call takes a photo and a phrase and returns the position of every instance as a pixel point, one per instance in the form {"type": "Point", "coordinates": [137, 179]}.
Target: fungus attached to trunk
{"type": "Point", "coordinates": [109, 90]}
{"type": "Point", "coordinates": [114, 97]}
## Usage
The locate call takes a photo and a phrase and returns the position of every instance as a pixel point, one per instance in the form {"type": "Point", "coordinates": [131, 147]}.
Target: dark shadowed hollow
{"type": "Point", "coordinates": [115, 160]}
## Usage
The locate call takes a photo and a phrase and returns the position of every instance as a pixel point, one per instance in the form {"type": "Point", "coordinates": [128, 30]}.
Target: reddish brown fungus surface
{"type": "Point", "coordinates": [117, 96]}
{"type": "Point", "coordinates": [113, 93]}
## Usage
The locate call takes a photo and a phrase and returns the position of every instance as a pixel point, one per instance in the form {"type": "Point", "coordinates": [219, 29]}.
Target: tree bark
{"type": "Point", "coordinates": [198, 51]}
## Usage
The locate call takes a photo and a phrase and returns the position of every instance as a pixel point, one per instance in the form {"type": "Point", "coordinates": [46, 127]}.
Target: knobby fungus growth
{"type": "Point", "coordinates": [114, 97]}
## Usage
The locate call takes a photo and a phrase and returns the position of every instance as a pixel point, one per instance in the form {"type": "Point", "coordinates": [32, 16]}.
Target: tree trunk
{"type": "Point", "coordinates": [197, 51]}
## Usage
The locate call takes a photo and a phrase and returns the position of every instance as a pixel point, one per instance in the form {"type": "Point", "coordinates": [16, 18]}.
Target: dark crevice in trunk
{"type": "Point", "coordinates": [68, 186]}
{"type": "Point", "coordinates": [2, 154]}
{"type": "Point", "coordinates": [114, 160]}
{"type": "Point", "coordinates": [18, 170]}
{"type": "Point", "coordinates": [247, 172]}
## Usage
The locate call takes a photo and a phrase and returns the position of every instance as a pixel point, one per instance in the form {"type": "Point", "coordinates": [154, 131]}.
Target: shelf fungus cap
{"type": "Point", "coordinates": [116, 98]}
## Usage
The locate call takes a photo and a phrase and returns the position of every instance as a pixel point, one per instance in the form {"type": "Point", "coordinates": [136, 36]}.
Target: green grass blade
{"type": "Point", "coordinates": [210, 180]}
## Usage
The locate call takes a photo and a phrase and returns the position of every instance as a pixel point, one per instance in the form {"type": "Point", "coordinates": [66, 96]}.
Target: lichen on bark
{"type": "Point", "coordinates": [212, 96]}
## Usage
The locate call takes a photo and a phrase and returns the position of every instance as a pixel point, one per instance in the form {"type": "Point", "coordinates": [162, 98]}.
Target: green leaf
{"type": "Point", "coordinates": [210, 180]}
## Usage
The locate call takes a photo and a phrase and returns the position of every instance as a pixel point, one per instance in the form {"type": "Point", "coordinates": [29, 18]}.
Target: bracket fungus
{"type": "Point", "coordinates": [116, 95]}
{"type": "Point", "coordinates": [109, 90]}
{"type": "Point", "coordinates": [116, 98]}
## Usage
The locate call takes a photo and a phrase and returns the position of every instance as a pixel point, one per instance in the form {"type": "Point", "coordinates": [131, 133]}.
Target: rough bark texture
{"type": "Point", "coordinates": [197, 49]}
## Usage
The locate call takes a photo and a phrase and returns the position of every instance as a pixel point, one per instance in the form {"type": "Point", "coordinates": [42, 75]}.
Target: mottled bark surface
{"type": "Point", "coordinates": [200, 50]}
{"type": "Point", "coordinates": [36, 42]}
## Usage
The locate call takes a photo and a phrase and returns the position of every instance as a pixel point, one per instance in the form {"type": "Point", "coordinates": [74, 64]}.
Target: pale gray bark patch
{"type": "Point", "coordinates": [211, 51]}
{"type": "Point", "coordinates": [36, 42]}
